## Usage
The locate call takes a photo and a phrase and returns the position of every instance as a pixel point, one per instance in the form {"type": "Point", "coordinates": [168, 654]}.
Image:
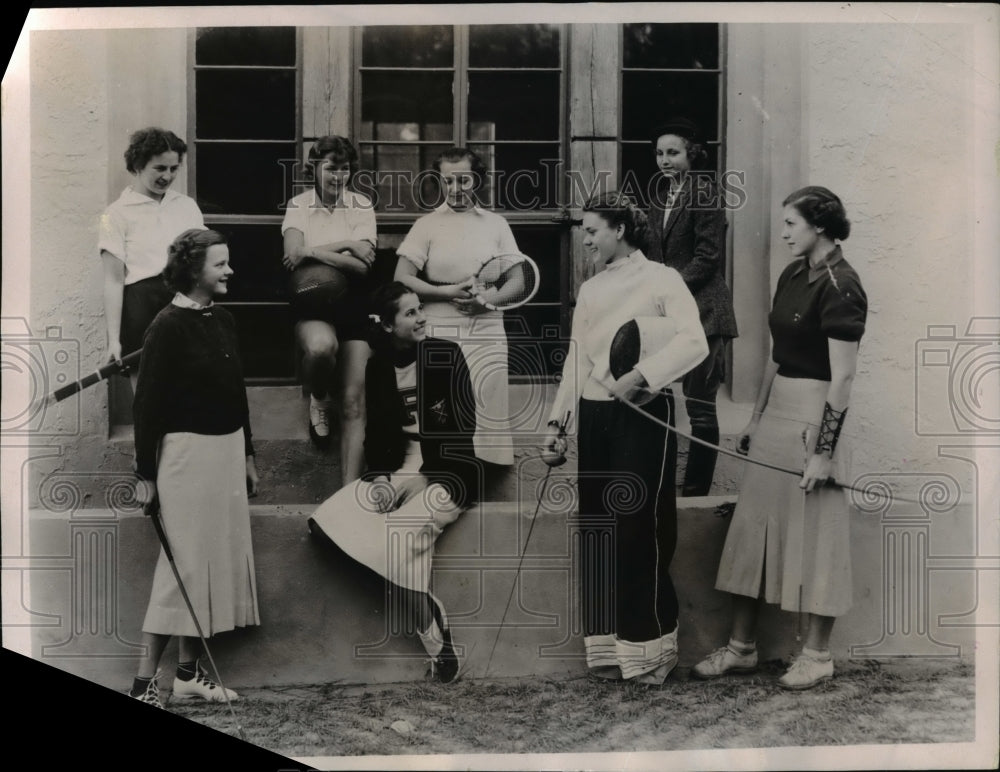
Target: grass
{"type": "Point", "coordinates": [868, 702]}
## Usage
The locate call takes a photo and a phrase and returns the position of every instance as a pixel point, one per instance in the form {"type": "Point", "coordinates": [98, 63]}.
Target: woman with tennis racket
{"type": "Point", "coordinates": [628, 506]}
{"type": "Point", "coordinates": [329, 247]}
{"type": "Point", "coordinates": [422, 470]}
{"type": "Point", "coordinates": [464, 263]}
{"type": "Point", "coordinates": [789, 540]}
{"type": "Point", "coordinates": [193, 453]}
{"type": "Point", "coordinates": [135, 232]}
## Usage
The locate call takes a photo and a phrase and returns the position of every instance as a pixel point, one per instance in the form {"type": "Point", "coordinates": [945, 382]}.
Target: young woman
{"type": "Point", "coordinates": [628, 508]}
{"type": "Point", "coordinates": [687, 225]}
{"type": "Point", "coordinates": [135, 232]}
{"type": "Point", "coordinates": [422, 470]}
{"type": "Point", "coordinates": [193, 450]}
{"type": "Point", "coordinates": [789, 540]}
{"type": "Point", "coordinates": [334, 225]}
{"type": "Point", "coordinates": [438, 259]}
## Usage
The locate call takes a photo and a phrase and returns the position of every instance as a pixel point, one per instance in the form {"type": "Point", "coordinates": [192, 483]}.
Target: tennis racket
{"type": "Point", "coordinates": [102, 373]}
{"type": "Point", "coordinates": [506, 281]}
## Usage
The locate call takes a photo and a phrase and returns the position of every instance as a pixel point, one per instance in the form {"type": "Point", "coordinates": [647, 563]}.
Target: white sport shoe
{"type": "Point", "coordinates": [724, 660]}
{"type": "Point", "coordinates": [807, 670]}
{"type": "Point", "coordinates": [202, 687]}
{"type": "Point", "coordinates": [319, 419]}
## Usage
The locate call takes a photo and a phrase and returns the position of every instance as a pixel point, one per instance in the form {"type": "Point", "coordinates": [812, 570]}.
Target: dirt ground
{"type": "Point", "coordinates": [868, 702]}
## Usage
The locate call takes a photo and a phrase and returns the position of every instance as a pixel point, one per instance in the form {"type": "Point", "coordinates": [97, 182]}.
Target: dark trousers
{"type": "Point", "coordinates": [628, 521]}
{"type": "Point", "coordinates": [701, 386]}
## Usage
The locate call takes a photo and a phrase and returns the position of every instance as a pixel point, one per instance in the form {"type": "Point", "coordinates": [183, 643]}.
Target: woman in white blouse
{"type": "Point", "coordinates": [628, 508]}
{"type": "Point", "coordinates": [334, 225]}
{"type": "Point", "coordinates": [438, 258]}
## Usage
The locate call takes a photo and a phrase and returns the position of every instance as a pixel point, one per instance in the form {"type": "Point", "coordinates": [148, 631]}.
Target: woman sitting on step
{"type": "Point", "coordinates": [422, 470]}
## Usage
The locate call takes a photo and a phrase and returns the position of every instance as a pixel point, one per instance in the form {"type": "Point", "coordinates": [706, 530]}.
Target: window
{"type": "Point", "coordinates": [499, 90]}
{"type": "Point", "coordinates": [243, 138]}
{"type": "Point", "coordinates": [668, 70]}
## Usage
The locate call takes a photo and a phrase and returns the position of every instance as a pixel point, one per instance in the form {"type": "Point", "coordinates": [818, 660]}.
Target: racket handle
{"type": "Point", "coordinates": [95, 377]}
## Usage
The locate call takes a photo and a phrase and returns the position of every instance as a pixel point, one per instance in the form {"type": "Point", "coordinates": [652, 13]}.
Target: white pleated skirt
{"type": "Point", "coordinates": [201, 481]}
{"type": "Point", "coordinates": [788, 547]}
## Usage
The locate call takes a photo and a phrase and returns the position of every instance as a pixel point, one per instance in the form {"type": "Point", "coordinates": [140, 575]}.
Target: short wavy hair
{"type": "Point", "coordinates": [821, 208]}
{"type": "Point", "coordinates": [619, 209]}
{"type": "Point", "coordinates": [457, 154]}
{"type": "Point", "coordinates": [186, 258]}
{"type": "Point", "coordinates": [336, 149]}
{"type": "Point", "coordinates": [147, 143]}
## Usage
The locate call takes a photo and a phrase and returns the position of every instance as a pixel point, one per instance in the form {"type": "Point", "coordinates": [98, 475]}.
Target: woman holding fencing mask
{"type": "Point", "coordinates": [628, 509]}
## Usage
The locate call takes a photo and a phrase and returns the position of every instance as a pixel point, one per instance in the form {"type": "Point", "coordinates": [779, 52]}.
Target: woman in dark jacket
{"type": "Point", "coordinates": [422, 470]}
{"type": "Point", "coordinates": [687, 225]}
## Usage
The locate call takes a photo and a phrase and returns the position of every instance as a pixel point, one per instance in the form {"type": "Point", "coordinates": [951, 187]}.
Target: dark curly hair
{"type": "Point", "coordinates": [146, 143]}
{"type": "Point", "coordinates": [457, 154]}
{"type": "Point", "coordinates": [821, 208]}
{"type": "Point", "coordinates": [186, 258]}
{"type": "Point", "coordinates": [337, 150]}
{"type": "Point", "coordinates": [618, 209]}
{"type": "Point", "coordinates": [383, 306]}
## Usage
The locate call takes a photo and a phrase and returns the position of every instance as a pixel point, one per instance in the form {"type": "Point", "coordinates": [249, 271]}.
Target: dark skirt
{"type": "Point", "coordinates": [141, 302]}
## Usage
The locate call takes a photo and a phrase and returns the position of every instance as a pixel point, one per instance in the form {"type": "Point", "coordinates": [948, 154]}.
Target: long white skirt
{"type": "Point", "coordinates": [483, 342]}
{"type": "Point", "coordinates": [794, 547]}
{"type": "Point", "coordinates": [201, 481]}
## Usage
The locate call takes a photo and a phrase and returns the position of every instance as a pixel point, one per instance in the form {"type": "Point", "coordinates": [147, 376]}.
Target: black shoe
{"type": "Point", "coordinates": [445, 665]}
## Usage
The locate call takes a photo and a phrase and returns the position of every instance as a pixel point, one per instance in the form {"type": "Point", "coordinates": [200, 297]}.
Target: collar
{"type": "Point", "coordinates": [631, 259]}
{"type": "Point", "coordinates": [445, 208]}
{"type": "Point", "coordinates": [833, 257]}
{"type": "Point", "coordinates": [346, 199]}
{"type": "Point", "coordinates": [183, 301]}
{"type": "Point", "coordinates": [132, 197]}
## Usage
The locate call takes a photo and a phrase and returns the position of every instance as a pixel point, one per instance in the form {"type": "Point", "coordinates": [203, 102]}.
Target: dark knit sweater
{"type": "Point", "coordinates": [190, 380]}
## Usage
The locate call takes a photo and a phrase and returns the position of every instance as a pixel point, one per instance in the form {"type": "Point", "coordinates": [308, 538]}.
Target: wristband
{"type": "Point", "coordinates": [829, 430]}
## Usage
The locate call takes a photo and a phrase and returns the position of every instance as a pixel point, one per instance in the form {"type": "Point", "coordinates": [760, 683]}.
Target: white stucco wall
{"type": "Point", "coordinates": [89, 89]}
{"type": "Point", "coordinates": [889, 114]}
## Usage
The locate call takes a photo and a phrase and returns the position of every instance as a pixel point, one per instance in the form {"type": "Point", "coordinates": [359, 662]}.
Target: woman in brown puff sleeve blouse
{"type": "Point", "coordinates": [789, 540]}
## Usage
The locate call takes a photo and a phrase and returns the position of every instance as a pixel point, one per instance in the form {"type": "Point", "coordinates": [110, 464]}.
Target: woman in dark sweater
{"type": "Point", "coordinates": [422, 469]}
{"type": "Point", "coordinates": [789, 540]}
{"type": "Point", "coordinates": [193, 451]}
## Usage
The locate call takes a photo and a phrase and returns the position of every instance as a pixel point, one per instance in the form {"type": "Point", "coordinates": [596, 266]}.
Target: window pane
{"type": "Point", "coordinates": [243, 179]}
{"type": "Point", "coordinates": [255, 255]}
{"type": "Point", "coordinates": [639, 168]}
{"type": "Point", "coordinates": [245, 104]}
{"type": "Point", "coordinates": [543, 246]}
{"type": "Point", "coordinates": [416, 98]}
{"type": "Point", "coordinates": [426, 46]}
{"type": "Point", "coordinates": [269, 46]}
{"type": "Point", "coordinates": [523, 177]}
{"type": "Point", "coordinates": [400, 178]}
{"type": "Point", "coordinates": [649, 99]}
{"type": "Point", "coordinates": [688, 46]}
{"type": "Point", "coordinates": [514, 105]}
{"type": "Point", "coordinates": [514, 45]}
{"type": "Point", "coordinates": [533, 333]}
{"type": "Point", "coordinates": [267, 340]}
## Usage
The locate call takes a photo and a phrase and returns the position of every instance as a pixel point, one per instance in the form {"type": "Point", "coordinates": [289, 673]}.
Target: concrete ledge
{"type": "Point", "coordinates": [326, 619]}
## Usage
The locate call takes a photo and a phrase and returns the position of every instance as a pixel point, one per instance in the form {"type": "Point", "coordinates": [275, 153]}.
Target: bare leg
{"type": "Point", "coordinates": [155, 644]}
{"type": "Point", "coordinates": [188, 648]}
{"type": "Point", "coordinates": [818, 634]}
{"type": "Point", "coordinates": [744, 625]}
{"type": "Point", "coordinates": [318, 342]}
{"type": "Point", "coordinates": [354, 357]}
